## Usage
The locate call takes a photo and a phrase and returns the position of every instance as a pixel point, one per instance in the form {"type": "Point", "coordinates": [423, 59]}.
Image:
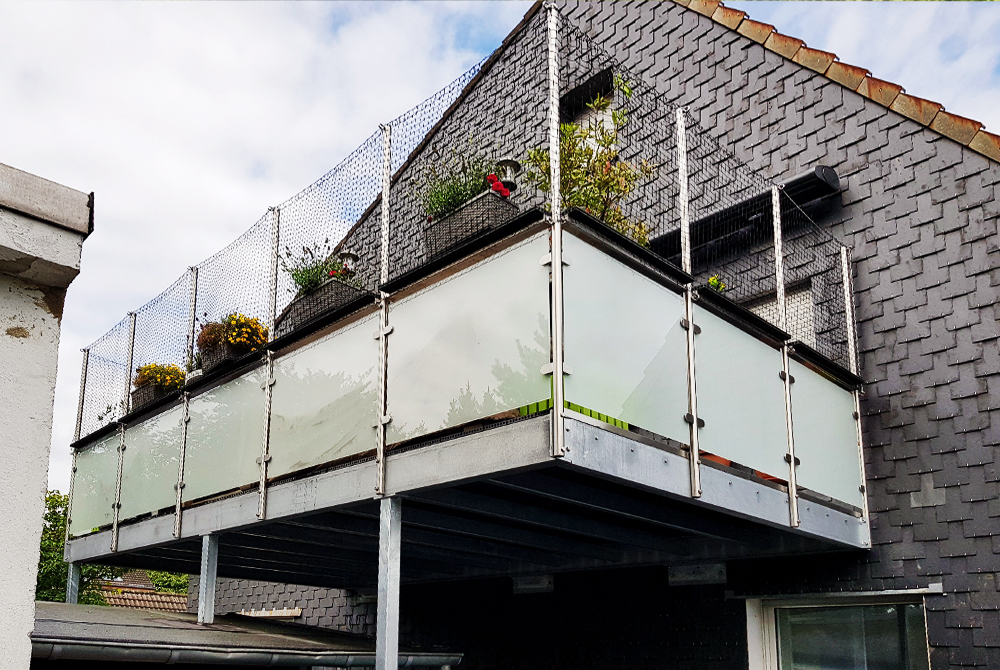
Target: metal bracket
{"type": "Point", "coordinates": [384, 332]}
{"type": "Point", "coordinates": [546, 259]}
{"type": "Point", "coordinates": [788, 459]}
{"type": "Point", "coordinates": [685, 324]}
{"type": "Point", "coordinates": [263, 459]}
{"type": "Point", "coordinates": [782, 375]}
{"type": "Point", "coordinates": [385, 420]}
{"type": "Point", "coordinates": [688, 418]}
{"type": "Point", "coordinates": [267, 382]}
{"type": "Point", "coordinates": [549, 368]}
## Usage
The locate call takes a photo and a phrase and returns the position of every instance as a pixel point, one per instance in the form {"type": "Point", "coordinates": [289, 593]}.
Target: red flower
{"type": "Point", "coordinates": [492, 178]}
{"type": "Point", "coordinates": [497, 186]}
{"type": "Point", "coordinates": [333, 273]}
{"type": "Point", "coordinates": [505, 193]}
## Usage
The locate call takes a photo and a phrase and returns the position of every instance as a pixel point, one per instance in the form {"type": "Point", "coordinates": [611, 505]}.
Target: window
{"type": "Point", "coordinates": [890, 636]}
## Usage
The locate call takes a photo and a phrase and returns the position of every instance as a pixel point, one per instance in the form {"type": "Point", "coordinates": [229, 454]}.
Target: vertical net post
{"type": "Point", "coordinates": [558, 336]}
{"type": "Point", "coordinates": [127, 400]}
{"type": "Point", "coordinates": [382, 417]}
{"type": "Point", "coordinates": [192, 314]}
{"type": "Point", "coordinates": [272, 296]}
{"type": "Point", "coordinates": [694, 452]}
{"type": "Point", "coordinates": [76, 434]}
{"type": "Point", "coordinates": [179, 486]}
{"type": "Point", "coordinates": [852, 356]}
{"type": "Point", "coordinates": [786, 377]}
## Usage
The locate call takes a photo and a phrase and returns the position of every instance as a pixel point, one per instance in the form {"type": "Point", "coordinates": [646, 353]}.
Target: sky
{"type": "Point", "coordinates": [188, 120]}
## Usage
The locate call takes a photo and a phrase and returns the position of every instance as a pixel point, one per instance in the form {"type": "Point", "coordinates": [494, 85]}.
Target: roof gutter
{"type": "Point", "coordinates": [76, 650]}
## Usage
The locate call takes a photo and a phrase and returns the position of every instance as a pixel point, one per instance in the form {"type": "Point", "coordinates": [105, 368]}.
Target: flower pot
{"type": "Point", "coordinates": [328, 297]}
{"type": "Point", "coordinates": [486, 211]}
{"type": "Point", "coordinates": [144, 395]}
{"type": "Point", "coordinates": [223, 353]}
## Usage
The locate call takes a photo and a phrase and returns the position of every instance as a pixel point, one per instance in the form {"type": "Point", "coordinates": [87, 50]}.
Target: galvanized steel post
{"type": "Point", "coordinates": [265, 457]}
{"type": "Point", "coordinates": [272, 313]}
{"type": "Point", "coordinates": [852, 354]}
{"type": "Point", "coordinates": [387, 615]}
{"type": "Point", "coordinates": [127, 400]}
{"type": "Point", "coordinates": [76, 436]}
{"type": "Point", "coordinates": [382, 417]}
{"type": "Point", "coordinates": [557, 315]}
{"type": "Point", "coordinates": [72, 583]}
{"type": "Point", "coordinates": [786, 375]}
{"type": "Point", "coordinates": [192, 313]}
{"type": "Point", "coordinates": [179, 486]}
{"type": "Point", "coordinates": [207, 578]}
{"type": "Point", "coordinates": [694, 450]}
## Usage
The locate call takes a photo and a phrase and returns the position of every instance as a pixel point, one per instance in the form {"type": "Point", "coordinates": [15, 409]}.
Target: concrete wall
{"type": "Point", "coordinates": [38, 260]}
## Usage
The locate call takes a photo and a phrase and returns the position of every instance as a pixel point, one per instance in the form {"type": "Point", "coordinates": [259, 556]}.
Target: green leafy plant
{"type": "Point", "coordinates": [592, 175]}
{"type": "Point", "coordinates": [169, 376]}
{"type": "Point", "coordinates": [314, 265]}
{"type": "Point", "coordinates": [168, 582]}
{"type": "Point", "coordinates": [53, 570]}
{"type": "Point", "coordinates": [716, 284]}
{"type": "Point", "coordinates": [446, 185]}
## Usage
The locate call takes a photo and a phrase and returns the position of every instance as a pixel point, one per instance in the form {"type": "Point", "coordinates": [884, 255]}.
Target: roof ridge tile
{"type": "Point", "coordinates": [967, 132]}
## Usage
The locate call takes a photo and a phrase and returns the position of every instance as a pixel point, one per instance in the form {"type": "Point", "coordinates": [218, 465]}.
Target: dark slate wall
{"type": "Point", "coordinates": [920, 216]}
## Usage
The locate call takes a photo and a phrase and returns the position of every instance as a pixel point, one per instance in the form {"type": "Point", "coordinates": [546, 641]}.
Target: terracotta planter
{"type": "Point", "coordinates": [484, 212]}
{"type": "Point", "coordinates": [330, 296]}
{"type": "Point", "coordinates": [144, 395]}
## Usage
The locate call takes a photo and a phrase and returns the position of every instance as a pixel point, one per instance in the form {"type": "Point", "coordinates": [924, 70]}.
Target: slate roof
{"type": "Point", "coordinates": [892, 96]}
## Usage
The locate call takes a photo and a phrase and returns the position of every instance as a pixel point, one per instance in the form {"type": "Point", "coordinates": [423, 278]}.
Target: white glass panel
{"type": "Point", "coordinates": [826, 438]}
{"type": "Point", "coordinates": [224, 437]}
{"type": "Point", "coordinates": [324, 397]}
{"type": "Point", "coordinates": [624, 343]}
{"type": "Point", "coordinates": [94, 485]}
{"type": "Point", "coordinates": [741, 398]}
{"type": "Point", "coordinates": [471, 346]}
{"type": "Point", "coordinates": [149, 466]}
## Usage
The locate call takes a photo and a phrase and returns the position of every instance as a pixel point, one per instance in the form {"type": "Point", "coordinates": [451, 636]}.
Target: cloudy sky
{"type": "Point", "coordinates": [189, 119]}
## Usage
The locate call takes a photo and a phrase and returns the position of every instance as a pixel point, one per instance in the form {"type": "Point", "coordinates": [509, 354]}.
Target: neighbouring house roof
{"type": "Point", "coordinates": [891, 96]}
{"type": "Point", "coordinates": [142, 599]}
{"type": "Point", "coordinates": [133, 579]}
{"type": "Point", "coordinates": [95, 633]}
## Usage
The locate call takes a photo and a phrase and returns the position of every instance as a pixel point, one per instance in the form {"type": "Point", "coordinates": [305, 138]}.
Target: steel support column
{"type": "Point", "coordinates": [73, 583]}
{"type": "Point", "coordinates": [555, 205]}
{"type": "Point", "coordinates": [786, 376]}
{"type": "Point", "coordinates": [382, 417]}
{"type": "Point", "coordinates": [207, 578]}
{"type": "Point", "coordinates": [852, 354]}
{"type": "Point", "coordinates": [387, 618]}
{"type": "Point", "coordinates": [694, 451]}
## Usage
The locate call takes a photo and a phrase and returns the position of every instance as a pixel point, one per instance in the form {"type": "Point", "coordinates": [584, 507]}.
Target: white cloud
{"type": "Point", "coordinates": [189, 119]}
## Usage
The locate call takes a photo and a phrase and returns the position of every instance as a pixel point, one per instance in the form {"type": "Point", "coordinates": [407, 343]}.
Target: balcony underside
{"type": "Point", "coordinates": [491, 503]}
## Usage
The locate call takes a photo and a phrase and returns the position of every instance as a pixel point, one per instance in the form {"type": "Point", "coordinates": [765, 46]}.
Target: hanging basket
{"type": "Point", "coordinates": [484, 212]}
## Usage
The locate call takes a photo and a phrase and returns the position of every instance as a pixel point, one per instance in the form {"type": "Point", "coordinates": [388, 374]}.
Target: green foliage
{"type": "Point", "coordinates": [592, 176]}
{"type": "Point", "coordinates": [52, 569]}
{"type": "Point", "coordinates": [716, 284]}
{"type": "Point", "coordinates": [313, 266]}
{"type": "Point", "coordinates": [445, 189]}
{"type": "Point", "coordinates": [168, 581]}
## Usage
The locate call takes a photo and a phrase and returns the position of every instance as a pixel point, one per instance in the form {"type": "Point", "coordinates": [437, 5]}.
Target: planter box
{"type": "Point", "coordinates": [328, 297]}
{"type": "Point", "coordinates": [145, 395]}
{"type": "Point", "coordinates": [487, 210]}
{"type": "Point", "coordinates": [224, 353]}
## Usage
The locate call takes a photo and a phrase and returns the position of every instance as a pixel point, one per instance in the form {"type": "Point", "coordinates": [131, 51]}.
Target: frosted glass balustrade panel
{"type": "Point", "coordinates": [472, 345]}
{"type": "Point", "coordinates": [624, 343]}
{"type": "Point", "coordinates": [94, 485]}
{"type": "Point", "coordinates": [741, 398]}
{"type": "Point", "coordinates": [149, 466]}
{"type": "Point", "coordinates": [224, 437]}
{"type": "Point", "coordinates": [324, 398]}
{"type": "Point", "coordinates": [826, 438]}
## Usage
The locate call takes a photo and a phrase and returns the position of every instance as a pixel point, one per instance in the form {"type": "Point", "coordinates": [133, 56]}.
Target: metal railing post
{"type": "Point", "coordinates": [556, 318]}
{"type": "Point", "coordinates": [76, 436]}
{"type": "Point", "coordinates": [192, 313]}
{"type": "Point", "coordinates": [117, 504]}
{"type": "Point", "coordinates": [694, 423]}
{"type": "Point", "coordinates": [179, 486]}
{"type": "Point", "coordinates": [265, 457]}
{"type": "Point", "coordinates": [382, 417]}
{"type": "Point", "coordinates": [852, 353]}
{"type": "Point", "coordinates": [785, 374]}
{"type": "Point", "coordinates": [127, 400]}
{"type": "Point", "coordinates": [272, 313]}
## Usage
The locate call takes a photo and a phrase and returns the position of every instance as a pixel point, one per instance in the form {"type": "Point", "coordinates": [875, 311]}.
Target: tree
{"type": "Point", "coordinates": [52, 569]}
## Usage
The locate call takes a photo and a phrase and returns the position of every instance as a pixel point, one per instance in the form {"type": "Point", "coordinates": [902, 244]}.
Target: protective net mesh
{"type": "Point", "coordinates": [321, 250]}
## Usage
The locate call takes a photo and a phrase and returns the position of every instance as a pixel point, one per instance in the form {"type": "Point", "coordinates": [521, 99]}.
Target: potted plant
{"type": "Point", "coordinates": [231, 338]}
{"type": "Point", "coordinates": [465, 200]}
{"type": "Point", "coordinates": [323, 282]}
{"type": "Point", "coordinates": [154, 381]}
{"type": "Point", "coordinates": [592, 175]}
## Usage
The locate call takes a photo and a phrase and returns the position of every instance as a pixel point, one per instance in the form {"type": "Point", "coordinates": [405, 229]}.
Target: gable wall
{"type": "Point", "coordinates": [920, 216]}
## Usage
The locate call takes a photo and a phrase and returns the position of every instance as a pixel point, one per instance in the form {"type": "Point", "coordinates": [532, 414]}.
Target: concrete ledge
{"type": "Point", "coordinates": [46, 200]}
